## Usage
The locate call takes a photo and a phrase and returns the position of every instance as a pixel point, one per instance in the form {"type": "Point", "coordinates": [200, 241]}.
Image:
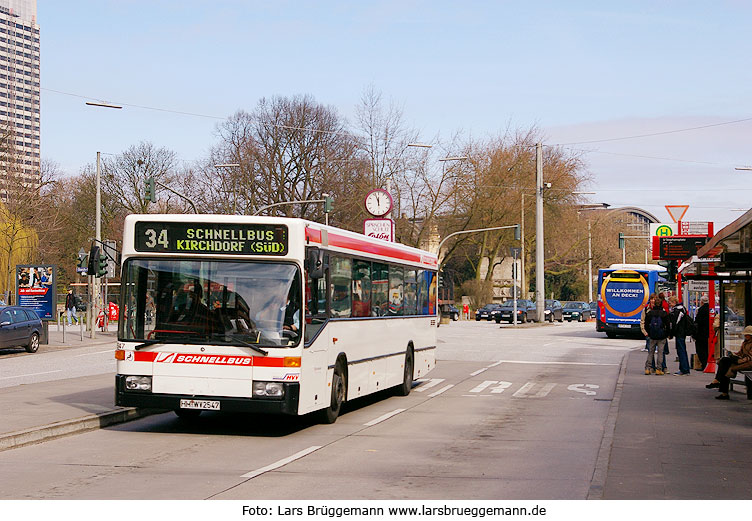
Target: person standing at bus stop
{"type": "Point", "coordinates": [658, 327]}
{"type": "Point", "coordinates": [70, 307]}
{"type": "Point", "coordinates": [702, 321]}
{"type": "Point", "coordinates": [679, 329]}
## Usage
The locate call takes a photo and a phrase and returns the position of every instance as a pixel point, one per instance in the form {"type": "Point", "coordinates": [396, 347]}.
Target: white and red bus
{"type": "Point", "coordinates": [264, 314]}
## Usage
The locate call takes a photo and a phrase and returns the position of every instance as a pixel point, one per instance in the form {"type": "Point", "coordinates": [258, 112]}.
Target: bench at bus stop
{"type": "Point", "coordinates": [743, 378]}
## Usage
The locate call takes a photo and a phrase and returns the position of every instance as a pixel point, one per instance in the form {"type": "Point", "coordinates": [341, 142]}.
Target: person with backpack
{"type": "Point", "coordinates": [682, 326]}
{"type": "Point", "coordinates": [658, 327]}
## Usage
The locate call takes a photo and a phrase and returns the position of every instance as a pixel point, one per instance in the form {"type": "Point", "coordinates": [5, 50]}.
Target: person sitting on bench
{"type": "Point", "coordinates": [729, 365]}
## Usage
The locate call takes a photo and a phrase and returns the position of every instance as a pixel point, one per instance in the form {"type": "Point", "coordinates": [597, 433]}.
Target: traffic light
{"type": "Point", "coordinates": [150, 194]}
{"type": "Point", "coordinates": [93, 260]}
{"type": "Point", "coordinates": [102, 266]}
{"type": "Point", "coordinates": [328, 203]}
{"type": "Point", "coordinates": [671, 269]}
{"type": "Point", "coordinates": [517, 233]}
{"type": "Point", "coordinates": [621, 241]}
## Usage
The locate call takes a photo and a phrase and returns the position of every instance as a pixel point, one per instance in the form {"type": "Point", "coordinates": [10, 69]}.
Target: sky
{"type": "Point", "coordinates": [624, 84]}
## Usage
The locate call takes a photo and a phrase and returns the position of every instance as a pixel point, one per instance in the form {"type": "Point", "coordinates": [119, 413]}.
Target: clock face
{"type": "Point", "coordinates": [378, 202]}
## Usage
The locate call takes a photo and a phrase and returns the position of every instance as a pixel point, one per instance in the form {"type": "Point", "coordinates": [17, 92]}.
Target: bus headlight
{"type": "Point", "coordinates": [138, 383]}
{"type": "Point", "coordinates": [268, 389]}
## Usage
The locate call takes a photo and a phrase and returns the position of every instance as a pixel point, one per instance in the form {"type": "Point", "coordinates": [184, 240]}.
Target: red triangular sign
{"type": "Point", "coordinates": [677, 211]}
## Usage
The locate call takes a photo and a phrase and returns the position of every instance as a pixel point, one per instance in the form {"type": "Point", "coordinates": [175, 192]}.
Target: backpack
{"type": "Point", "coordinates": [690, 328]}
{"type": "Point", "coordinates": [656, 331]}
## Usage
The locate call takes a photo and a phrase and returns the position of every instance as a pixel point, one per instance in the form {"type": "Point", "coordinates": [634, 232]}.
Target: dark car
{"type": "Point", "coordinates": [554, 311]}
{"type": "Point", "coordinates": [487, 312]}
{"type": "Point", "coordinates": [593, 308]}
{"type": "Point", "coordinates": [453, 312]}
{"type": "Point", "coordinates": [579, 311]}
{"type": "Point", "coordinates": [525, 311]}
{"type": "Point", "coordinates": [20, 327]}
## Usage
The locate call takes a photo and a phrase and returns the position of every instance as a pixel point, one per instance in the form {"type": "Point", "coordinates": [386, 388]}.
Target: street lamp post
{"type": "Point", "coordinates": [540, 293]}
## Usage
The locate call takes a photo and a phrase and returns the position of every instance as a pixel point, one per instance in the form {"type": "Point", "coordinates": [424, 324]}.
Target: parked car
{"type": "Point", "coordinates": [487, 312]}
{"type": "Point", "coordinates": [579, 311]}
{"type": "Point", "coordinates": [525, 311]}
{"type": "Point", "coordinates": [453, 312]}
{"type": "Point", "coordinates": [554, 311]}
{"type": "Point", "coordinates": [20, 327]}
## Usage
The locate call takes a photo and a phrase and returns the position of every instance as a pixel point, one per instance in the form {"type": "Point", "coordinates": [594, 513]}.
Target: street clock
{"type": "Point", "coordinates": [378, 202]}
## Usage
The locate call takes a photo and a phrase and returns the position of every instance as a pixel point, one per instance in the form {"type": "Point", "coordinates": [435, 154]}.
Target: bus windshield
{"type": "Point", "coordinates": [211, 302]}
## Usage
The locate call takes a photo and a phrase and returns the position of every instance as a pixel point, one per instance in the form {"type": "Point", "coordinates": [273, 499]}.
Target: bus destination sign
{"type": "Point", "coordinates": [211, 238]}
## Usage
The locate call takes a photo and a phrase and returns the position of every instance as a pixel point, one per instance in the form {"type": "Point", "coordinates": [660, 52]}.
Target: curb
{"type": "Point", "coordinates": [598, 481]}
{"type": "Point", "coordinates": [60, 429]}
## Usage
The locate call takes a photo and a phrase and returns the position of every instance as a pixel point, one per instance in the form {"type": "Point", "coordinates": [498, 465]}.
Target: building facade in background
{"type": "Point", "coordinates": [19, 91]}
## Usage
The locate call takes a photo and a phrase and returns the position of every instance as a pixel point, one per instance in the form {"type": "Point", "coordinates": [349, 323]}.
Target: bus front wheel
{"type": "Point", "coordinates": [339, 385]}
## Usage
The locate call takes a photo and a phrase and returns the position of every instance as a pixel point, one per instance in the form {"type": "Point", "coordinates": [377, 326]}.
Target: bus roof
{"type": "Point", "coordinates": [635, 267]}
{"type": "Point", "coordinates": [315, 234]}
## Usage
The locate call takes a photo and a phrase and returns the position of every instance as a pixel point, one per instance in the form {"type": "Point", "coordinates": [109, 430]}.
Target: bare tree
{"type": "Point", "coordinates": [123, 178]}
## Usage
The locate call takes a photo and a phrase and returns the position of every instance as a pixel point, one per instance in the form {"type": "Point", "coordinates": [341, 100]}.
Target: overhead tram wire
{"type": "Point", "coordinates": [158, 109]}
{"type": "Point", "coordinates": [663, 133]}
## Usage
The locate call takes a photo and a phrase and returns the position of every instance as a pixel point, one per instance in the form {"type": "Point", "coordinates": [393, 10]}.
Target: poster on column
{"type": "Point", "coordinates": [35, 289]}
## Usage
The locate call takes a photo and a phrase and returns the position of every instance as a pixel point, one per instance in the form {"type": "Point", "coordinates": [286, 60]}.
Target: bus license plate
{"type": "Point", "coordinates": [200, 404]}
{"type": "Point", "coordinates": [624, 326]}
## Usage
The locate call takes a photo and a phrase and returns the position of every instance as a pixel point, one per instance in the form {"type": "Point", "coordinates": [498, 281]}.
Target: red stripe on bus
{"type": "Point", "coordinates": [352, 243]}
{"type": "Point", "coordinates": [170, 358]}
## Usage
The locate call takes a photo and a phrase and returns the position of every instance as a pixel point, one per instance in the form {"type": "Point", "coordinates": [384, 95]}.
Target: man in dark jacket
{"type": "Point", "coordinates": [658, 327]}
{"type": "Point", "coordinates": [70, 307]}
{"type": "Point", "coordinates": [702, 321]}
{"type": "Point", "coordinates": [679, 328]}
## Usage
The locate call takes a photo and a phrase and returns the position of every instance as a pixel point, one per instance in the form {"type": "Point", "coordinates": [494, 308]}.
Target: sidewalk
{"type": "Point", "coordinates": [36, 412]}
{"type": "Point", "coordinates": [674, 440]}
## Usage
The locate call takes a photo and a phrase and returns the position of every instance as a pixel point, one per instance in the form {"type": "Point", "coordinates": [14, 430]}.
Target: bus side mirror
{"type": "Point", "coordinates": [314, 263]}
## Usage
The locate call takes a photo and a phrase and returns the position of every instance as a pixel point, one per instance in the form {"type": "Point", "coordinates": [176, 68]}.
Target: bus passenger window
{"type": "Point", "coordinates": [361, 289]}
{"type": "Point", "coordinates": [411, 294]}
{"type": "Point", "coordinates": [395, 290]}
{"type": "Point", "coordinates": [340, 273]}
{"type": "Point", "coordinates": [379, 289]}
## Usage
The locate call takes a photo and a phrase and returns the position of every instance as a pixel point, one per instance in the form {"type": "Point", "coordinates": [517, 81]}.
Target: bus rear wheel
{"type": "Point", "coordinates": [339, 386]}
{"type": "Point", "coordinates": [407, 379]}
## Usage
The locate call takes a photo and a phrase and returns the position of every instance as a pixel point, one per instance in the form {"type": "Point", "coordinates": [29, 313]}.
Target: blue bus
{"type": "Point", "coordinates": [623, 291]}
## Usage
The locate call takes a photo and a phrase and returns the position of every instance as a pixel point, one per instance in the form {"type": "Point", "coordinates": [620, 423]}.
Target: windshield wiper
{"type": "Point", "coordinates": [248, 344]}
{"type": "Point", "coordinates": [148, 343]}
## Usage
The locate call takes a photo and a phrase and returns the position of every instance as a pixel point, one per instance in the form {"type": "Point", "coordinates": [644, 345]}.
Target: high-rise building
{"type": "Point", "coordinates": [19, 90]}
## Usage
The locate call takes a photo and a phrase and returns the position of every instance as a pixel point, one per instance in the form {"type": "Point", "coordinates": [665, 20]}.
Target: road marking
{"type": "Point", "coordinates": [552, 363]}
{"type": "Point", "coordinates": [501, 387]}
{"type": "Point", "coordinates": [30, 374]}
{"type": "Point", "coordinates": [495, 364]}
{"type": "Point", "coordinates": [427, 384]}
{"type": "Point", "coordinates": [583, 388]}
{"type": "Point", "coordinates": [383, 417]}
{"type": "Point", "coordinates": [97, 353]}
{"type": "Point", "coordinates": [476, 373]}
{"type": "Point", "coordinates": [524, 391]}
{"type": "Point", "coordinates": [479, 388]}
{"type": "Point", "coordinates": [281, 463]}
{"type": "Point", "coordinates": [441, 390]}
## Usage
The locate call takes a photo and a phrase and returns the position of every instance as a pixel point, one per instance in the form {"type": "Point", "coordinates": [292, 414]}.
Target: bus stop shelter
{"type": "Point", "coordinates": [726, 260]}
